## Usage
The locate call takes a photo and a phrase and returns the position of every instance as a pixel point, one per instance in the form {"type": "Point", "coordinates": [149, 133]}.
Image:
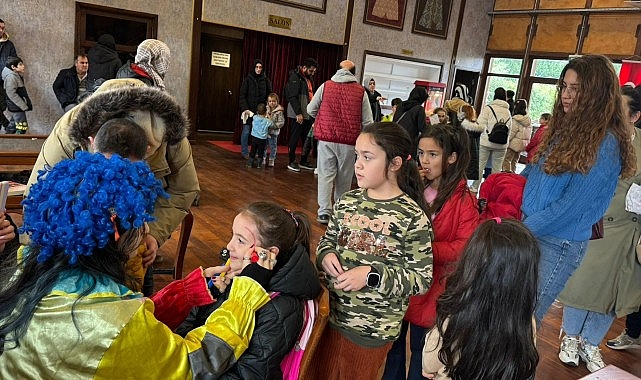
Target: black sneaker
{"type": "Point", "coordinates": [323, 219]}
{"type": "Point", "coordinates": [307, 166]}
{"type": "Point", "coordinates": [293, 167]}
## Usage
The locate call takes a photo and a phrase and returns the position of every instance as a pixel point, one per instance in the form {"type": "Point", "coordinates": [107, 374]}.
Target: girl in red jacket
{"type": "Point", "coordinates": [444, 156]}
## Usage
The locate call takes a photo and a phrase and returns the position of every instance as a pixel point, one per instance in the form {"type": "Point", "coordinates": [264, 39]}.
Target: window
{"type": "Point", "coordinates": [502, 72]}
{"type": "Point", "coordinates": [127, 27]}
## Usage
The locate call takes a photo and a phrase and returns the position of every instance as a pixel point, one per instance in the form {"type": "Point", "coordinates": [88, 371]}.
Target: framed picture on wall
{"type": "Point", "coordinates": [385, 13]}
{"type": "Point", "coordinates": [432, 17]}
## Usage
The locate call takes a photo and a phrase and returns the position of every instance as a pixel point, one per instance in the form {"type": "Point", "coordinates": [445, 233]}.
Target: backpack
{"type": "Point", "coordinates": [292, 361]}
{"type": "Point", "coordinates": [500, 130]}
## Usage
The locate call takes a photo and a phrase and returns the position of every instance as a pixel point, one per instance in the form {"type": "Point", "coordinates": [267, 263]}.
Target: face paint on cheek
{"type": "Point", "coordinates": [254, 255]}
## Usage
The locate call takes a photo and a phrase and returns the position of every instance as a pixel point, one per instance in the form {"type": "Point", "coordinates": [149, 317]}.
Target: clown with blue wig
{"type": "Point", "coordinates": [65, 309]}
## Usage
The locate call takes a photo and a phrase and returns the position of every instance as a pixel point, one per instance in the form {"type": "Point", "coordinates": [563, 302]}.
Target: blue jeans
{"type": "Point", "coordinates": [272, 143]}
{"type": "Point", "coordinates": [559, 259]}
{"type": "Point", "coordinates": [244, 139]}
{"type": "Point", "coordinates": [590, 325]}
{"type": "Point", "coordinates": [395, 364]}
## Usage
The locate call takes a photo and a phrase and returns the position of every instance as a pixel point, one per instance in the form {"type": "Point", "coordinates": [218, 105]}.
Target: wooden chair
{"type": "Point", "coordinates": [185, 231]}
{"type": "Point", "coordinates": [317, 332]}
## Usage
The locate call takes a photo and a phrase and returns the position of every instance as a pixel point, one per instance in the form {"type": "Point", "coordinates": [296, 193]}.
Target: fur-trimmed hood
{"type": "Point", "coordinates": [155, 111]}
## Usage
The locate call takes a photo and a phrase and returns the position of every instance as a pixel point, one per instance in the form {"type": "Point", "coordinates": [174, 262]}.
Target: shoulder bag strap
{"type": "Point", "coordinates": [496, 118]}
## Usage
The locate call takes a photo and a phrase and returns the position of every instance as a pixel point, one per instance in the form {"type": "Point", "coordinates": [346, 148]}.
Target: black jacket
{"type": "Point", "coordinates": [103, 59]}
{"type": "Point", "coordinates": [253, 91]}
{"type": "Point", "coordinates": [278, 324]}
{"type": "Point", "coordinates": [295, 91]}
{"type": "Point", "coordinates": [66, 86]}
{"type": "Point", "coordinates": [127, 72]}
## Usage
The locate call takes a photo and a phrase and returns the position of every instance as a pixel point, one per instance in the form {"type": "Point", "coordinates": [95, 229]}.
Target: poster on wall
{"type": "Point", "coordinates": [310, 5]}
{"type": "Point", "coordinates": [385, 13]}
{"type": "Point", "coordinates": [432, 17]}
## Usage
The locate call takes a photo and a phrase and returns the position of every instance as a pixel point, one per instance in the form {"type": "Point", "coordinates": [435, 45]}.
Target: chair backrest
{"type": "Point", "coordinates": [317, 331]}
{"type": "Point", "coordinates": [181, 247]}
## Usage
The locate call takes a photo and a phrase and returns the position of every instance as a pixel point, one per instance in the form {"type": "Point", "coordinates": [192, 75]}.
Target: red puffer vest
{"type": "Point", "coordinates": [340, 113]}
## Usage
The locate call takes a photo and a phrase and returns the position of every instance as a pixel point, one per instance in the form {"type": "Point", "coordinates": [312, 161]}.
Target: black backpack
{"type": "Point", "coordinates": [500, 130]}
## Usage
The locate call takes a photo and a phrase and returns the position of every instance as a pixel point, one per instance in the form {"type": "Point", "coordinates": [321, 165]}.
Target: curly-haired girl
{"type": "Point", "coordinates": [574, 173]}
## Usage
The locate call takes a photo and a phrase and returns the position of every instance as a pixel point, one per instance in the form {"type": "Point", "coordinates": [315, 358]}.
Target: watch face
{"type": "Point", "coordinates": [373, 279]}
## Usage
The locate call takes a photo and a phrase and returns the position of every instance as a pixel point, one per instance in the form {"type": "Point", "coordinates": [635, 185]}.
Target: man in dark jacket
{"type": "Point", "coordinates": [7, 49]}
{"type": "Point", "coordinates": [411, 115]}
{"type": "Point", "coordinates": [299, 91]}
{"type": "Point", "coordinates": [103, 58]}
{"type": "Point", "coordinates": [72, 83]}
{"type": "Point", "coordinates": [253, 91]}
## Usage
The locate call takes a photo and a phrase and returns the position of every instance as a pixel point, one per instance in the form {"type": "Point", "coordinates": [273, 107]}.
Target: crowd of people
{"type": "Point", "coordinates": [405, 253]}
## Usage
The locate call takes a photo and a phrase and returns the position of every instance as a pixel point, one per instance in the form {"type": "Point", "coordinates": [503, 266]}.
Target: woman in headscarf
{"type": "Point", "coordinates": [150, 65]}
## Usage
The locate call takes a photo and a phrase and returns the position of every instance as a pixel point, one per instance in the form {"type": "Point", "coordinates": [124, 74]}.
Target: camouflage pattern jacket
{"type": "Point", "coordinates": [394, 237]}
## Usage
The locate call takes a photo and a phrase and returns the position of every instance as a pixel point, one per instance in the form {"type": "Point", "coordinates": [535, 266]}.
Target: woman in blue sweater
{"type": "Point", "coordinates": [572, 178]}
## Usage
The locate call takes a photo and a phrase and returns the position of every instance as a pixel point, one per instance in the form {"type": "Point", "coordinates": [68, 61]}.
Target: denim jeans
{"type": "Point", "coordinates": [395, 364]}
{"type": "Point", "coordinates": [559, 259]}
{"type": "Point", "coordinates": [590, 325]}
{"type": "Point", "coordinates": [244, 139]}
{"type": "Point", "coordinates": [272, 143]}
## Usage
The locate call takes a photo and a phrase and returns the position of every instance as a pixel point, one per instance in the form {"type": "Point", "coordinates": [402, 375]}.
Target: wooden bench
{"type": "Point", "coordinates": [18, 153]}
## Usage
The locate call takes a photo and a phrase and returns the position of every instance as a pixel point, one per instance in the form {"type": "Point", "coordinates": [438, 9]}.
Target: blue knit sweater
{"type": "Point", "coordinates": [565, 206]}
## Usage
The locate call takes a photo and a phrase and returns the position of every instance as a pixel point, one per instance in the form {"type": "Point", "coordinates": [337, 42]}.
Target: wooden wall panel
{"type": "Point", "coordinates": [610, 4]}
{"type": "Point", "coordinates": [562, 4]}
{"type": "Point", "coordinates": [612, 34]}
{"type": "Point", "coordinates": [509, 33]}
{"type": "Point", "coordinates": [511, 5]}
{"type": "Point", "coordinates": [556, 33]}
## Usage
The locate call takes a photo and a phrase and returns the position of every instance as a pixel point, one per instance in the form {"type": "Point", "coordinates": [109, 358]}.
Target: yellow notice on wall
{"type": "Point", "coordinates": [220, 59]}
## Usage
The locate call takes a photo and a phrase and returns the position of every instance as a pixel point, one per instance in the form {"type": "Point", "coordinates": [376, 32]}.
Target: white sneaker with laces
{"type": "Point", "coordinates": [591, 355]}
{"type": "Point", "coordinates": [624, 341]}
{"type": "Point", "coordinates": [569, 353]}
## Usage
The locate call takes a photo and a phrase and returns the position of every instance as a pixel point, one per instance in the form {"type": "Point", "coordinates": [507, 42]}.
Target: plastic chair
{"type": "Point", "coordinates": [317, 331]}
{"type": "Point", "coordinates": [185, 231]}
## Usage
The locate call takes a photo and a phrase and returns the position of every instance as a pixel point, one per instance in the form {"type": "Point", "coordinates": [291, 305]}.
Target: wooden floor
{"type": "Point", "coordinates": [226, 185]}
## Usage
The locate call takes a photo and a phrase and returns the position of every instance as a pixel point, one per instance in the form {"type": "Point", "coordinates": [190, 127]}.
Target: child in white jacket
{"type": "Point", "coordinates": [520, 135]}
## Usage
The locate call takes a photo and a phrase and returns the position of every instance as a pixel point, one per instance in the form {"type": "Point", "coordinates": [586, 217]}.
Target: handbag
{"type": "Point", "coordinates": [597, 230]}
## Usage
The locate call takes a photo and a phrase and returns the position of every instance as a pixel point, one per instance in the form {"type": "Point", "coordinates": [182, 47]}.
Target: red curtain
{"type": "Point", "coordinates": [280, 55]}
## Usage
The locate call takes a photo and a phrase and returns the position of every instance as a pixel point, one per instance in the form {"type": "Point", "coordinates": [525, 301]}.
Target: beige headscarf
{"type": "Point", "coordinates": [153, 57]}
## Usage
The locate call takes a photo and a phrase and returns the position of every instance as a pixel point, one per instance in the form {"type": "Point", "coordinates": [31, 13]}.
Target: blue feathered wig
{"type": "Point", "coordinates": [71, 208]}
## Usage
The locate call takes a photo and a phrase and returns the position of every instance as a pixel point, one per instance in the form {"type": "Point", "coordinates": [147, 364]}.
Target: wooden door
{"type": "Point", "coordinates": [219, 85]}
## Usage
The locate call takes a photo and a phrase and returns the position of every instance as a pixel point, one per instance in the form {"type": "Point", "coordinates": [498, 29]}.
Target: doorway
{"type": "Point", "coordinates": [220, 65]}
{"type": "Point", "coordinates": [469, 79]}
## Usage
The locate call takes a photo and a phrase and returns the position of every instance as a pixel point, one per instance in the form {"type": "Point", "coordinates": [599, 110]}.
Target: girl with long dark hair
{"type": "Point", "coordinates": [485, 328]}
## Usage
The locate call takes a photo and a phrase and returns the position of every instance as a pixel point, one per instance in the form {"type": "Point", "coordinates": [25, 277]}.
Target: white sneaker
{"type": "Point", "coordinates": [591, 355]}
{"type": "Point", "coordinates": [569, 353]}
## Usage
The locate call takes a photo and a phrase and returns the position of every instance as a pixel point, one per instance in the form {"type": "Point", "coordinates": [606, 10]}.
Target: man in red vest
{"type": "Point", "coordinates": [341, 107]}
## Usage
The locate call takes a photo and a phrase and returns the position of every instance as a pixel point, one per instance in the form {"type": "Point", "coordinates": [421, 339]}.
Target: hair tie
{"type": "Point", "coordinates": [497, 219]}
{"type": "Point", "coordinates": [113, 221]}
{"type": "Point", "coordinates": [409, 157]}
{"type": "Point", "coordinates": [293, 217]}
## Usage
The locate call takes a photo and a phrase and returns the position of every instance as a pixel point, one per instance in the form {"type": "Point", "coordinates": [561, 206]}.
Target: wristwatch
{"type": "Point", "coordinates": [373, 278]}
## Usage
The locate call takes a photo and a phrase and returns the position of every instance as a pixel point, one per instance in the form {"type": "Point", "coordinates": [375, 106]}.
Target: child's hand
{"type": "Point", "coordinates": [429, 375]}
{"type": "Point", "coordinates": [423, 173]}
{"type": "Point", "coordinates": [331, 265]}
{"type": "Point", "coordinates": [353, 280]}
{"type": "Point", "coordinates": [213, 271]}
